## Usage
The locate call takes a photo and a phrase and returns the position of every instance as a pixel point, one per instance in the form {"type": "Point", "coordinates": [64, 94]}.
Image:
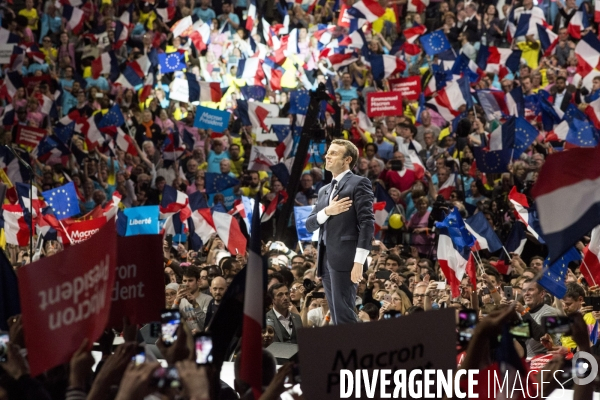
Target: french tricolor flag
{"type": "Point", "coordinates": [480, 228]}
{"type": "Point", "coordinates": [7, 37]}
{"type": "Point", "coordinates": [273, 72]}
{"type": "Point", "coordinates": [229, 231]}
{"type": "Point", "coordinates": [519, 201]}
{"type": "Point", "coordinates": [412, 34]}
{"type": "Point", "coordinates": [339, 60]}
{"type": "Point", "coordinates": [448, 101]}
{"type": "Point", "coordinates": [593, 112]}
{"type": "Point", "coordinates": [590, 266]}
{"type": "Point", "coordinates": [383, 66]}
{"type": "Point", "coordinates": [125, 142]}
{"type": "Point", "coordinates": [175, 201]}
{"type": "Point", "coordinates": [548, 40]}
{"type": "Point", "coordinates": [587, 52]}
{"type": "Point", "coordinates": [270, 36]}
{"type": "Point", "coordinates": [578, 23]}
{"type": "Point", "coordinates": [251, 16]}
{"type": "Point", "coordinates": [16, 229]}
{"type": "Point", "coordinates": [596, 10]}
{"type": "Point", "coordinates": [567, 197]}
{"type": "Point", "coordinates": [200, 35]}
{"type": "Point", "coordinates": [13, 82]}
{"type": "Point", "coordinates": [417, 6]}
{"type": "Point", "coordinates": [210, 91]}
{"type": "Point", "coordinates": [107, 63]}
{"type": "Point", "coordinates": [448, 187]}
{"type": "Point", "coordinates": [454, 250]}
{"type": "Point", "coordinates": [370, 10]}
{"type": "Point", "coordinates": [204, 226]}
{"type": "Point", "coordinates": [251, 70]}
{"type": "Point", "coordinates": [141, 66]}
{"type": "Point", "coordinates": [251, 356]}
{"type": "Point", "coordinates": [74, 17]}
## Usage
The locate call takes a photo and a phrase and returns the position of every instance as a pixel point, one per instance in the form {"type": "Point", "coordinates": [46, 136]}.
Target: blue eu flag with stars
{"type": "Point", "coordinates": [114, 117]}
{"type": "Point", "coordinates": [216, 183]}
{"type": "Point", "coordinates": [435, 43]}
{"type": "Point", "coordinates": [170, 62]}
{"type": "Point", "coordinates": [553, 276]}
{"type": "Point", "coordinates": [63, 201]}
{"type": "Point", "coordinates": [299, 100]}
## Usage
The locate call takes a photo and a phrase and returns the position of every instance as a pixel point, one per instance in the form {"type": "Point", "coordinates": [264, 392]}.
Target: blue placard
{"type": "Point", "coordinates": [230, 197]}
{"type": "Point", "coordinates": [209, 118]}
{"type": "Point", "coordinates": [142, 220]}
{"type": "Point", "coordinates": [301, 215]}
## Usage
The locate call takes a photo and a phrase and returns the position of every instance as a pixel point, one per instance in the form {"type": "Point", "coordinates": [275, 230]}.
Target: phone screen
{"type": "Point", "coordinates": [466, 325]}
{"type": "Point", "coordinates": [170, 320]}
{"type": "Point", "coordinates": [204, 347]}
{"type": "Point", "coordinates": [4, 339]}
{"type": "Point", "coordinates": [557, 325]}
{"type": "Point", "coordinates": [166, 378]}
{"type": "Point", "coordinates": [140, 356]}
{"type": "Point", "coordinates": [521, 330]}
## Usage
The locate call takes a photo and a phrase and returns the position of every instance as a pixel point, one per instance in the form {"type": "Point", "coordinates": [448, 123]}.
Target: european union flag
{"type": "Point", "coordinates": [492, 162]}
{"type": "Point", "coordinates": [219, 182]}
{"type": "Point", "coordinates": [170, 62]}
{"type": "Point", "coordinates": [525, 134]}
{"type": "Point", "coordinates": [455, 227]}
{"type": "Point", "coordinates": [114, 117]}
{"type": "Point", "coordinates": [255, 92]}
{"type": "Point", "coordinates": [63, 201]}
{"type": "Point", "coordinates": [435, 43]}
{"type": "Point", "coordinates": [301, 215]}
{"type": "Point", "coordinates": [553, 276]}
{"type": "Point", "coordinates": [299, 100]}
{"type": "Point", "coordinates": [282, 131]}
{"type": "Point", "coordinates": [581, 131]}
{"type": "Point", "coordinates": [142, 220]}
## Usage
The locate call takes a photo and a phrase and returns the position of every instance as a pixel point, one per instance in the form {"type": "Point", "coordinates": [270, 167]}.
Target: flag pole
{"type": "Point", "coordinates": [66, 233]}
{"type": "Point", "coordinates": [589, 272]}
{"type": "Point", "coordinates": [507, 254]}
{"type": "Point", "coordinates": [478, 263]}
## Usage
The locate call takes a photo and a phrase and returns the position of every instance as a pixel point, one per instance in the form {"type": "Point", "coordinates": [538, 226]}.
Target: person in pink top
{"type": "Point", "coordinates": [418, 225]}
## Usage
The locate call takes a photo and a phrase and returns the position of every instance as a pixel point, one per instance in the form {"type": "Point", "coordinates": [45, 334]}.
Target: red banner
{"type": "Point", "coordinates": [139, 290]}
{"type": "Point", "coordinates": [30, 136]}
{"type": "Point", "coordinates": [66, 298]}
{"type": "Point", "coordinates": [344, 18]}
{"type": "Point", "coordinates": [80, 231]}
{"type": "Point", "coordinates": [380, 104]}
{"type": "Point", "coordinates": [408, 87]}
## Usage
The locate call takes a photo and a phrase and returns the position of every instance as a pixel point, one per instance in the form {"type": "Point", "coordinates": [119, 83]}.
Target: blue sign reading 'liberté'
{"type": "Point", "coordinates": [142, 220]}
{"type": "Point", "coordinates": [209, 118]}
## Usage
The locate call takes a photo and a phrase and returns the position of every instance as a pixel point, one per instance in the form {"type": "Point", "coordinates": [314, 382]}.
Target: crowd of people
{"type": "Point", "coordinates": [76, 63]}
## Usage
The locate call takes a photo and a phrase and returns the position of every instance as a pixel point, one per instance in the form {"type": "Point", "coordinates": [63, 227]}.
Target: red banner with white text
{"type": "Point", "coordinates": [139, 290]}
{"type": "Point", "coordinates": [382, 104]}
{"type": "Point", "coordinates": [66, 298]}
{"type": "Point", "coordinates": [409, 88]}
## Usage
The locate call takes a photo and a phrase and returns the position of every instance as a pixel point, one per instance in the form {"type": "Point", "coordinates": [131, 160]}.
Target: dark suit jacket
{"type": "Point", "coordinates": [346, 231]}
{"type": "Point", "coordinates": [296, 321]}
{"type": "Point", "coordinates": [565, 101]}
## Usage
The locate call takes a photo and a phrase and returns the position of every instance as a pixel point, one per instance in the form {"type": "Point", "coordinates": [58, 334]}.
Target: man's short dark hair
{"type": "Point", "coordinates": [373, 145]}
{"type": "Point", "coordinates": [561, 78]}
{"type": "Point", "coordinates": [192, 272]}
{"type": "Point", "coordinates": [301, 256]}
{"type": "Point", "coordinates": [574, 291]}
{"type": "Point", "coordinates": [396, 258]}
{"type": "Point", "coordinates": [277, 276]}
{"type": "Point", "coordinates": [227, 263]}
{"type": "Point", "coordinates": [273, 288]}
{"type": "Point", "coordinates": [536, 258]}
{"type": "Point", "coordinates": [351, 150]}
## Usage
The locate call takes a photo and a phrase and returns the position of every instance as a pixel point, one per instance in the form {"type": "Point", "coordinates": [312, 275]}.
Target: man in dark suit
{"type": "Point", "coordinates": [344, 214]}
{"type": "Point", "coordinates": [285, 322]}
{"type": "Point", "coordinates": [561, 93]}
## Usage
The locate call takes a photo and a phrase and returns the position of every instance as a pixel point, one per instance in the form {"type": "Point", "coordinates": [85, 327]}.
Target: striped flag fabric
{"type": "Point", "coordinates": [229, 231]}
{"type": "Point", "coordinates": [567, 176]}
{"type": "Point", "coordinates": [522, 211]}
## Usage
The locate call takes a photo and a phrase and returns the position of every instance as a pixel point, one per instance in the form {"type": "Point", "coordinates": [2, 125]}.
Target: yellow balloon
{"type": "Point", "coordinates": [395, 221]}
